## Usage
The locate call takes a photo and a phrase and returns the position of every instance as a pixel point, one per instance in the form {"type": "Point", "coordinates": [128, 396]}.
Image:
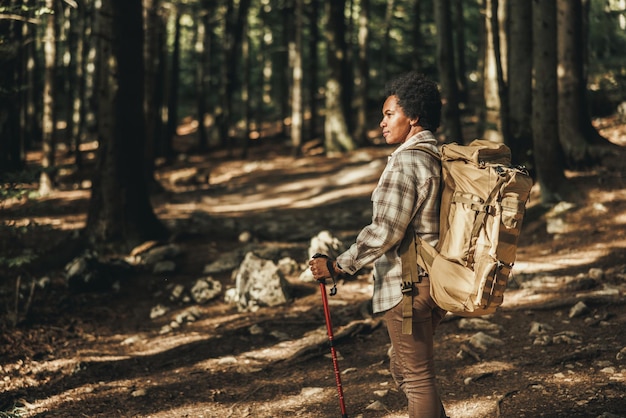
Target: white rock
{"type": "Point", "coordinates": [158, 311]}
{"type": "Point", "coordinates": [227, 360]}
{"type": "Point", "coordinates": [138, 393]}
{"type": "Point", "coordinates": [478, 324]}
{"type": "Point", "coordinates": [579, 309]}
{"type": "Point", "coordinates": [311, 391]}
{"type": "Point", "coordinates": [596, 273]}
{"type": "Point", "coordinates": [482, 341]}
{"type": "Point", "coordinates": [376, 406]}
{"type": "Point", "coordinates": [537, 328]}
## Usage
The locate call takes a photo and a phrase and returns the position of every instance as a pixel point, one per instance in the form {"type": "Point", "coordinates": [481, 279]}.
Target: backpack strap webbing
{"type": "Point", "coordinates": [409, 249]}
{"type": "Point", "coordinates": [410, 276]}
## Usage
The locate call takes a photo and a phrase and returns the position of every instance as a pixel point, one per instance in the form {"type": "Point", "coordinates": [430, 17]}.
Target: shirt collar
{"type": "Point", "coordinates": [422, 137]}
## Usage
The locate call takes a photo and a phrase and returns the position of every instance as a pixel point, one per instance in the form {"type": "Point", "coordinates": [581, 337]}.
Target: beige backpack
{"type": "Point", "coordinates": [483, 202]}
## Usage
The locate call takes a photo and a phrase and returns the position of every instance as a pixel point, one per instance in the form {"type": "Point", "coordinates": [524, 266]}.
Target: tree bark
{"type": "Point", "coordinates": [548, 152]}
{"type": "Point", "coordinates": [173, 88]}
{"type": "Point", "coordinates": [384, 50]}
{"type": "Point", "coordinates": [337, 137]}
{"type": "Point", "coordinates": [313, 66]}
{"type": "Point", "coordinates": [499, 17]}
{"type": "Point", "coordinates": [11, 132]}
{"type": "Point", "coordinates": [520, 82]}
{"type": "Point", "coordinates": [151, 65]}
{"type": "Point", "coordinates": [460, 48]}
{"type": "Point", "coordinates": [451, 115]}
{"type": "Point", "coordinates": [46, 179]}
{"type": "Point", "coordinates": [78, 92]}
{"type": "Point", "coordinates": [575, 130]}
{"type": "Point", "coordinates": [362, 74]}
{"type": "Point", "coordinates": [120, 211]}
{"type": "Point", "coordinates": [246, 85]}
{"type": "Point", "coordinates": [28, 124]}
{"type": "Point", "coordinates": [297, 73]}
{"type": "Point", "coordinates": [233, 33]}
{"type": "Point", "coordinates": [493, 75]}
{"type": "Point", "coordinates": [416, 35]}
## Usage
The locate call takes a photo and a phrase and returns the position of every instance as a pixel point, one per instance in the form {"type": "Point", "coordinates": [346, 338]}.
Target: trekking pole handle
{"type": "Point", "coordinates": [331, 271]}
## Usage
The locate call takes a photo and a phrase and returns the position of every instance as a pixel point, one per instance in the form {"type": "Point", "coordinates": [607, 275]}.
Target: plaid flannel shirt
{"type": "Point", "coordinates": [408, 189]}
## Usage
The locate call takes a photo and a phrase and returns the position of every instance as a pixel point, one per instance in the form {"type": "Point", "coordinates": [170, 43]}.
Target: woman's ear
{"type": "Point", "coordinates": [414, 122]}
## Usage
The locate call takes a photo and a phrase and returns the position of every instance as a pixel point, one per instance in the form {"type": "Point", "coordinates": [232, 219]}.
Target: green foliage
{"type": "Point", "coordinates": [17, 261]}
{"type": "Point", "coordinates": [607, 32]}
{"type": "Point", "coordinates": [12, 183]}
{"type": "Point", "coordinates": [11, 258]}
{"type": "Point", "coordinates": [13, 412]}
{"type": "Point", "coordinates": [606, 45]}
{"type": "Point", "coordinates": [13, 186]}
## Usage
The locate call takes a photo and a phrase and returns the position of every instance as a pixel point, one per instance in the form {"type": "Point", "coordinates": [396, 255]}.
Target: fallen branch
{"type": "Point", "coordinates": [465, 349]}
{"type": "Point", "coordinates": [501, 398]}
{"type": "Point", "coordinates": [364, 326]}
{"type": "Point", "coordinates": [559, 302]}
{"type": "Point", "coordinates": [586, 353]}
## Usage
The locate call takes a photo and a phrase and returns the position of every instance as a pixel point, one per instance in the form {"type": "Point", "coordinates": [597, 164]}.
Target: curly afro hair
{"type": "Point", "coordinates": [419, 97]}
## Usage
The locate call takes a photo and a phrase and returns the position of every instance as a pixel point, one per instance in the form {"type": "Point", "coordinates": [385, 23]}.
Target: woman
{"type": "Point", "coordinates": [407, 195]}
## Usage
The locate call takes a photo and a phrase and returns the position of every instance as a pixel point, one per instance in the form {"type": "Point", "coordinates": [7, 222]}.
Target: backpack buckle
{"type": "Point", "coordinates": [407, 287]}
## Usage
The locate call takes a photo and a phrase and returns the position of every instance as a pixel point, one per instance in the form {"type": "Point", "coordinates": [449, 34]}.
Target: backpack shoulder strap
{"type": "Point", "coordinates": [409, 250]}
{"type": "Point", "coordinates": [426, 150]}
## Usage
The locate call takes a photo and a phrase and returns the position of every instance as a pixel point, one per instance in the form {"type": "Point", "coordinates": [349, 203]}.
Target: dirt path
{"type": "Point", "coordinates": [100, 354]}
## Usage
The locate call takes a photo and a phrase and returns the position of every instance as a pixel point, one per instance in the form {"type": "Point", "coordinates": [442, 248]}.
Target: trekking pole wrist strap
{"type": "Point", "coordinates": [330, 265]}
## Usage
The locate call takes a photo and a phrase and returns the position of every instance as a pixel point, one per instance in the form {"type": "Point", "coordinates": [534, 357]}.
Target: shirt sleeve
{"type": "Point", "coordinates": [393, 201]}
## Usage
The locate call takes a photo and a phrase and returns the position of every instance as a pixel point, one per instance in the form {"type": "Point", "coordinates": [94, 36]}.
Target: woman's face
{"type": "Point", "coordinates": [396, 126]}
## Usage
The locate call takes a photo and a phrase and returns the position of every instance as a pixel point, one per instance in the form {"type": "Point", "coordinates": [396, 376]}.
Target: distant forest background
{"type": "Point", "coordinates": [103, 86]}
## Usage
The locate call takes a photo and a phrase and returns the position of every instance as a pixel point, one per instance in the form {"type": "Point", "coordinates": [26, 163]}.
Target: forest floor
{"type": "Point", "coordinates": [100, 354]}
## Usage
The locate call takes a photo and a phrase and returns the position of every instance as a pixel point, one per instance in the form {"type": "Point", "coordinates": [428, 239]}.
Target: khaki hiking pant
{"type": "Point", "coordinates": [412, 359]}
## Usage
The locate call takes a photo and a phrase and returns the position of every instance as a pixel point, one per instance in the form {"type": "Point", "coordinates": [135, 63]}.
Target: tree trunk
{"type": "Point", "coordinates": [159, 95]}
{"type": "Point", "coordinates": [575, 129]}
{"type": "Point", "coordinates": [246, 86]}
{"type": "Point", "coordinates": [283, 67]}
{"type": "Point", "coordinates": [384, 49]}
{"type": "Point", "coordinates": [416, 35]}
{"type": "Point", "coordinates": [493, 71]}
{"type": "Point", "coordinates": [499, 18]}
{"type": "Point", "coordinates": [203, 71]}
{"type": "Point", "coordinates": [173, 88]}
{"type": "Point", "coordinates": [481, 100]}
{"type": "Point", "coordinates": [296, 90]}
{"type": "Point", "coordinates": [28, 118]}
{"type": "Point", "coordinates": [590, 131]}
{"type": "Point", "coordinates": [337, 137]}
{"type": "Point", "coordinates": [362, 75]}
{"type": "Point", "coordinates": [451, 115]}
{"type": "Point", "coordinates": [151, 65]}
{"type": "Point", "coordinates": [461, 48]}
{"type": "Point", "coordinates": [120, 211]}
{"type": "Point", "coordinates": [347, 71]}
{"type": "Point", "coordinates": [46, 179]}
{"type": "Point", "coordinates": [67, 61]}
{"type": "Point", "coordinates": [31, 123]}
{"type": "Point", "coordinates": [548, 152]}
{"type": "Point", "coordinates": [10, 79]}
{"type": "Point", "coordinates": [520, 82]}
{"type": "Point", "coordinates": [313, 66]}
{"type": "Point", "coordinates": [233, 33]}
{"type": "Point", "coordinates": [200, 68]}
{"type": "Point", "coordinates": [78, 92]}
{"type": "Point", "coordinates": [91, 70]}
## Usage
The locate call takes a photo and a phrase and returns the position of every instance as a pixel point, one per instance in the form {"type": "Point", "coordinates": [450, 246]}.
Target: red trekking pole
{"type": "Point", "coordinates": [329, 329]}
